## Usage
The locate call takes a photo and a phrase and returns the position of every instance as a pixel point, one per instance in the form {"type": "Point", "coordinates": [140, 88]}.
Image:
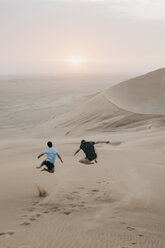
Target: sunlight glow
{"type": "Point", "coordinates": [75, 60]}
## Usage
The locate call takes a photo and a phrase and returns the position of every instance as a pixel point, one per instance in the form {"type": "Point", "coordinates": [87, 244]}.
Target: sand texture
{"type": "Point", "coordinates": [118, 202]}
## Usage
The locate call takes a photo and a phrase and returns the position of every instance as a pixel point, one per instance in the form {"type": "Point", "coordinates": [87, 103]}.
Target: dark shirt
{"type": "Point", "coordinates": [89, 150]}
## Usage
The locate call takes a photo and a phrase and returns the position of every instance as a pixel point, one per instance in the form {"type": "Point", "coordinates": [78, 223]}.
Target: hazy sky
{"type": "Point", "coordinates": [106, 36]}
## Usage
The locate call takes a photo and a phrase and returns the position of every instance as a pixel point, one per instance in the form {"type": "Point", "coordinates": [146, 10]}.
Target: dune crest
{"type": "Point", "coordinates": [144, 94]}
{"type": "Point", "coordinates": [136, 104]}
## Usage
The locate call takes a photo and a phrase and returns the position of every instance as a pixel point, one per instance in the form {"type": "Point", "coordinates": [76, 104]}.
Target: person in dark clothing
{"type": "Point", "coordinates": [88, 148]}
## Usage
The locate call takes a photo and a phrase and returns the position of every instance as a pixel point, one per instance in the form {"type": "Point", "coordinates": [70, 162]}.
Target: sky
{"type": "Point", "coordinates": [81, 36]}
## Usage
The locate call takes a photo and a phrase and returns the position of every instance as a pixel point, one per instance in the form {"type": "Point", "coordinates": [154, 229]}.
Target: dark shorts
{"type": "Point", "coordinates": [49, 165]}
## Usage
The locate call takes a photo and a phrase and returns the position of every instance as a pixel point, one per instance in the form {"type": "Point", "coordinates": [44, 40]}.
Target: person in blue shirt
{"type": "Point", "coordinates": [51, 158]}
{"type": "Point", "coordinates": [88, 148]}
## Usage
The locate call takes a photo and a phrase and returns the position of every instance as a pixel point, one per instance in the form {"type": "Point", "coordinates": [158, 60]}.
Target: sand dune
{"type": "Point", "coordinates": [144, 94]}
{"type": "Point", "coordinates": [117, 203]}
{"type": "Point", "coordinates": [134, 104]}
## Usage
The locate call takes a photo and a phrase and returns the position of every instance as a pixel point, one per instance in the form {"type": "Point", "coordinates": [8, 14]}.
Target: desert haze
{"type": "Point", "coordinates": [118, 202]}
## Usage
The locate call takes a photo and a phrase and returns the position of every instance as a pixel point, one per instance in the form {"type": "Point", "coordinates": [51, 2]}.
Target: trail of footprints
{"type": "Point", "coordinates": [32, 214]}
{"type": "Point", "coordinates": [131, 229]}
{"type": "Point", "coordinates": [67, 208]}
{"type": "Point", "coordinates": [127, 227]}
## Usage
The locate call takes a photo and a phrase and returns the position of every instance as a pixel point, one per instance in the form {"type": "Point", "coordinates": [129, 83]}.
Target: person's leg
{"type": "Point", "coordinates": [96, 161]}
{"type": "Point", "coordinates": [85, 161]}
{"type": "Point", "coordinates": [43, 163]}
{"type": "Point", "coordinates": [50, 171]}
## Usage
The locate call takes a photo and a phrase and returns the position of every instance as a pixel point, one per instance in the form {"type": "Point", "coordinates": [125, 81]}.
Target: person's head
{"type": "Point", "coordinates": [83, 141]}
{"type": "Point", "coordinates": [49, 144]}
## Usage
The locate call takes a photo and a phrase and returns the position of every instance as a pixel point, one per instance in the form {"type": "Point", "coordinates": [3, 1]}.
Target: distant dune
{"type": "Point", "coordinates": [144, 94]}
{"type": "Point", "coordinates": [136, 104]}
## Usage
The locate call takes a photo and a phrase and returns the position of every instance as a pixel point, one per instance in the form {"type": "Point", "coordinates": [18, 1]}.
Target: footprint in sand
{"type": "Point", "coordinates": [95, 190]}
{"type": "Point", "coordinates": [38, 215]}
{"type": "Point", "coordinates": [8, 233]}
{"type": "Point", "coordinates": [66, 212]}
{"type": "Point", "coordinates": [140, 235]}
{"type": "Point", "coordinates": [133, 243]}
{"type": "Point", "coordinates": [46, 212]}
{"type": "Point", "coordinates": [25, 224]}
{"type": "Point", "coordinates": [32, 219]}
{"type": "Point", "coordinates": [130, 228]}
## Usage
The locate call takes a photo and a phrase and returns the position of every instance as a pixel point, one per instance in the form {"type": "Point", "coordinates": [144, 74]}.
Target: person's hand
{"type": "Point", "coordinates": [37, 167]}
{"type": "Point", "coordinates": [38, 156]}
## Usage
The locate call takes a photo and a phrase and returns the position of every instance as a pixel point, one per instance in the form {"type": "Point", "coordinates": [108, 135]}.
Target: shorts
{"type": "Point", "coordinates": [49, 165]}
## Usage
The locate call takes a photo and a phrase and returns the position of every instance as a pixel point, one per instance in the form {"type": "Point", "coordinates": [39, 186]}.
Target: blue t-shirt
{"type": "Point", "coordinates": [51, 154]}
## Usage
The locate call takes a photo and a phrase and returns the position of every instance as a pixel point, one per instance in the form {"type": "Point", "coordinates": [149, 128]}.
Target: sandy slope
{"type": "Point", "coordinates": [144, 94]}
{"type": "Point", "coordinates": [100, 114]}
{"type": "Point", "coordinates": [118, 203]}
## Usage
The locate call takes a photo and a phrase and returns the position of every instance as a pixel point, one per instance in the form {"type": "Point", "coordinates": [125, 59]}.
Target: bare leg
{"type": "Point", "coordinates": [96, 161]}
{"type": "Point", "coordinates": [50, 171]}
{"type": "Point", "coordinates": [38, 167]}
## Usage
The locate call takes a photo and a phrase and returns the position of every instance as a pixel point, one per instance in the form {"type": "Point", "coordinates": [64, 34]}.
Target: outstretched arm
{"type": "Point", "coordinates": [40, 155]}
{"type": "Point", "coordinates": [60, 158]}
{"type": "Point", "coordinates": [77, 151]}
{"type": "Point", "coordinates": [105, 142]}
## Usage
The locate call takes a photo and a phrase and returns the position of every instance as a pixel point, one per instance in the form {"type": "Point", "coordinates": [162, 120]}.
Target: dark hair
{"type": "Point", "coordinates": [82, 141]}
{"type": "Point", "coordinates": [49, 144]}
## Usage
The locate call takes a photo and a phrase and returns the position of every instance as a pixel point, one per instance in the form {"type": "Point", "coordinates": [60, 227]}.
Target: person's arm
{"type": "Point", "coordinates": [40, 155]}
{"type": "Point", "coordinates": [104, 142]}
{"type": "Point", "coordinates": [60, 158]}
{"type": "Point", "coordinates": [77, 151]}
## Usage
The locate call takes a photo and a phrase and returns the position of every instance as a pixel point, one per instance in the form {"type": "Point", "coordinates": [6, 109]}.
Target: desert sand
{"type": "Point", "coordinates": [117, 203]}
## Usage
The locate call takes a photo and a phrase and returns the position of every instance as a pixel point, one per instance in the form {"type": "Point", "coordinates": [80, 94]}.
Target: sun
{"type": "Point", "coordinates": [75, 60]}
